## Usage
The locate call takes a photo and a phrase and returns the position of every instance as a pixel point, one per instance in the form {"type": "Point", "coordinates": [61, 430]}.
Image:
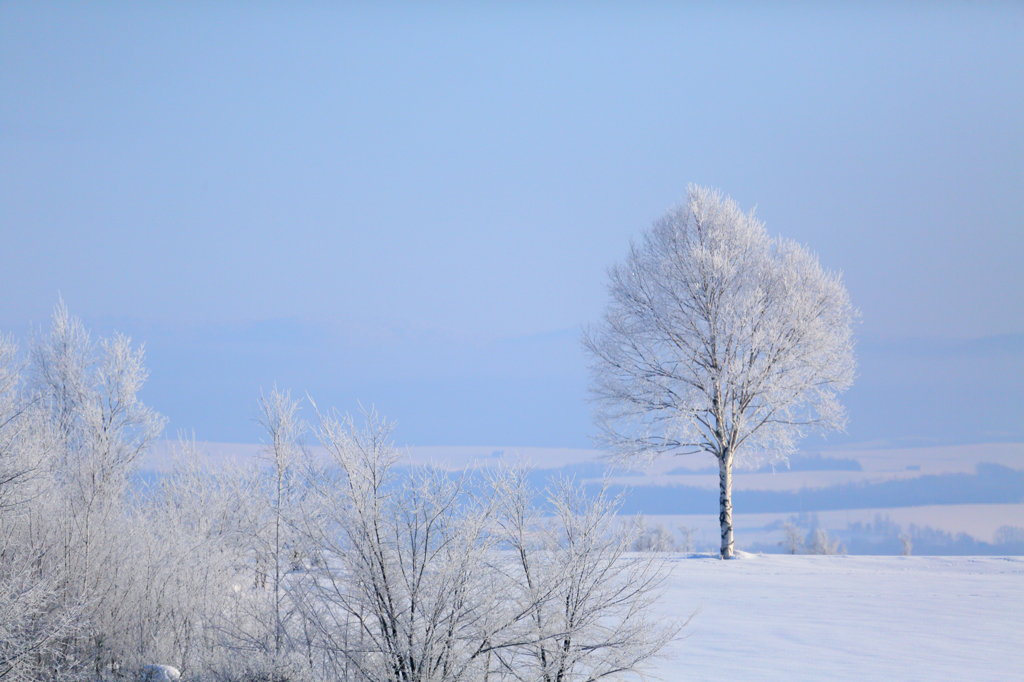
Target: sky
{"type": "Point", "coordinates": [413, 206]}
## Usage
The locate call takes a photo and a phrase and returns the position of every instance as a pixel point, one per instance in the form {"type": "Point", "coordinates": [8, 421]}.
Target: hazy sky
{"type": "Point", "coordinates": [414, 205]}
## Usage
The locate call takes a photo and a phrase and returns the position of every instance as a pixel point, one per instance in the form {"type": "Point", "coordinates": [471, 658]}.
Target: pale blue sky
{"type": "Point", "coordinates": [414, 205]}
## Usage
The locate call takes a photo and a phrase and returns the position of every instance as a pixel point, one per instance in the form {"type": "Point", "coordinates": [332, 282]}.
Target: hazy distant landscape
{"type": "Point", "coordinates": [511, 342]}
{"type": "Point", "coordinates": [953, 500]}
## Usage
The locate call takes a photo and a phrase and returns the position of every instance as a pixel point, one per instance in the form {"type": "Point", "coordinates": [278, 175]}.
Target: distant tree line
{"type": "Point", "coordinates": [992, 484]}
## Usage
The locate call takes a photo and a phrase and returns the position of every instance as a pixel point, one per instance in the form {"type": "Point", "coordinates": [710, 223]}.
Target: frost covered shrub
{"type": "Point", "coordinates": [908, 545]}
{"type": "Point", "coordinates": [793, 541]}
{"type": "Point", "coordinates": [427, 579]}
{"type": "Point", "coordinates": [285, 572]}
{"type": "Point", "coordinates": [584, 601]}
{"type": "Point", "coordinates": [819, 542]}
{"type": "Point", "coordinates": [72, 426]}
{"type": "Point", "coordinates": [654, 539]}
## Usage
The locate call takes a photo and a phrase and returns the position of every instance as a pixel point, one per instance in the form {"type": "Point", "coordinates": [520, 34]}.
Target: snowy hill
{"type": "Point", "coordinates": [819, 618]}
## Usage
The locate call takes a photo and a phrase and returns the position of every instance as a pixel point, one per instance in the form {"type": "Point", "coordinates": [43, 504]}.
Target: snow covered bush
{"type": "Point", "coordinates": [286, 572]}
{"type": "Point", "coordinates": [792, 542]}
{"type": "Point", "coordinates": [427, 578]}
{"type": "Point", "coordinates": [582, 606]}
{"type": "Point", "coordinates": [405, 590]}
{"type": "Point", "coordinates": [160, 673]}
{"type": "Point", "coordinates": [819, 542]}
{"type": "Point", "coordinates": [652, 539]}
{"type": "Point", "coordinates": [907, 544]}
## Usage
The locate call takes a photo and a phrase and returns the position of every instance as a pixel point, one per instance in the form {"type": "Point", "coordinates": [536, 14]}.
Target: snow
{"type": "Point", "coordinates": [160, 673]}
{"type": "Point", "coordinates": [793, 618]}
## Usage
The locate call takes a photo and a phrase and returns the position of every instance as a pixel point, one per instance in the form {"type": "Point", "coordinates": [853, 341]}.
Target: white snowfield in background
{"type": "Point", "coordinates": [980, 521]}
{"type": "Point", "coordinates": [891, 619]}
{"type": "Point", "coordinates": [879, 464]}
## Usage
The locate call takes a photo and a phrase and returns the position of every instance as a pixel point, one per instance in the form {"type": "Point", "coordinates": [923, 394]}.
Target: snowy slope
{"type": "Point", "coordinates": [793, 618]}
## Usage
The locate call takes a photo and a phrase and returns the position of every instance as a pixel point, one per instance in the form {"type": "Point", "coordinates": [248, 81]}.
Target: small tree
{"type": "Point", "coordinates": [687, 533]}
{"type": "Point", "coordinates": [719, 339]}
{"type": "Point", "coordinates": [69, 439]}
{"type": "Point", "coordinates": [33, 617]}
{"type": "Point", "coordinates": [793, 541]}
{"type": "Point", "coordinates": [907, 544]}
{"type": "Point", "coordinates": [401, 593]}
{"type": "Point", "coordinates": [654, 538]}
{"type": "Point", "coordinates": [581, 606]}
{"type": "Point", "coordinates": [91, 422]}
{"type": "Point", "coordinates": [819, 542]}
{"type": "Point", "coordinates": [278, 417]}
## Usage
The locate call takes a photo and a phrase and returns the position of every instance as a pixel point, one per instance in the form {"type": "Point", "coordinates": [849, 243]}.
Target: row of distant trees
{"type": "Point", "coordinates": [359, 568]}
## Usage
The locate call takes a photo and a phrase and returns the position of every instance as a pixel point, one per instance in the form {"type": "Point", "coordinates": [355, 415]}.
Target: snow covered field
{"type": "Point", "coordinates": [792, 618]}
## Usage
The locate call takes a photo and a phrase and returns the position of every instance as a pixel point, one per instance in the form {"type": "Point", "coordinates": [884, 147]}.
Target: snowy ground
{"type": "Point", "coordinates": [792, 618]}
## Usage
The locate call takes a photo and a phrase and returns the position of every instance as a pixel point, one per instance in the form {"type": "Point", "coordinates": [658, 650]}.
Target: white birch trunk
{"type": "Point", "coordinates": [725, 501]}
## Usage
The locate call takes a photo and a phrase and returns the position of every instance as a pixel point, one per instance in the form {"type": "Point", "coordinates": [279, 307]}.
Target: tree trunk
{"type": "Point", "coordinates": [725, 501]}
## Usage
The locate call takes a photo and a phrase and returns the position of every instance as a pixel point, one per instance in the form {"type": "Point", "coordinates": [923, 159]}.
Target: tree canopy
{"type": "Point", "coordinates": [719, 338]}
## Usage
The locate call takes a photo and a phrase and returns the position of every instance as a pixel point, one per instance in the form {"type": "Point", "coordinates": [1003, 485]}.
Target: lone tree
{"type": "Point", "coordinates": [719, 339]}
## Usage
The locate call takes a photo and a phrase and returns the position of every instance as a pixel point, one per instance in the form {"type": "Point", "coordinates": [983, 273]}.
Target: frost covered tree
{"type": "Point", "coordinates": [265, 627]}
{"type": "Point", "coordinates": [719, 339]}
{"type": "Point", "coordinates": [279, 418]}
{"type": "Point", "coordinates": [792, 539]}
{"type": "Point", "coordinates": [401, 594]}
{"type": "Point", "coordinates": [87, 420]}
{"type": "Point", "coordinates": [197, 523]}
{"type": "Point", "coordinates": [580, 606]}
{"type": "Point", "coordinates": [819, 542]}
{"type": "Point", "coordinates": [426, 576]}
{"type": "Point", "coordinates": [33, 617]}
{"type": "Point", "coordinates": [17, 466]}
